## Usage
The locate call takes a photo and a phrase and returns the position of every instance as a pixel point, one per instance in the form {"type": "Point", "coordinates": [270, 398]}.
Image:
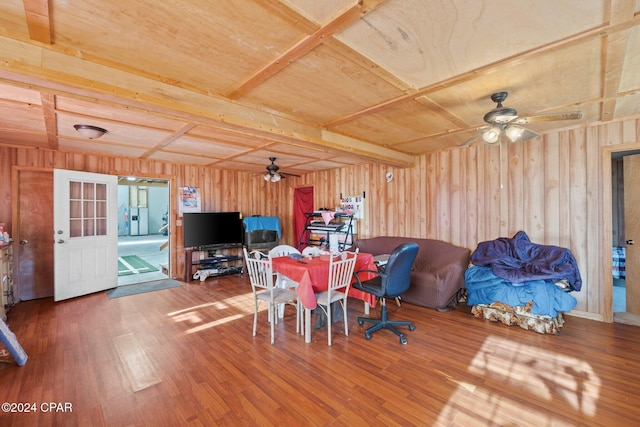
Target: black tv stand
{"type": "Point", "coordinates": [214, 264]}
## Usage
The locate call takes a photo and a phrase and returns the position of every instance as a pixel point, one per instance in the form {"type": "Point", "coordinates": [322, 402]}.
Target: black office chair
{"type": "Point", "coordinates": [390, 283]}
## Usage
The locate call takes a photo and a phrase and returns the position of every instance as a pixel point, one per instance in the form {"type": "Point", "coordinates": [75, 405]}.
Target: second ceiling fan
{"type": "Point", "coordinates": [503, 122]}
{"type": "Point", "coordinates": [273, 173]}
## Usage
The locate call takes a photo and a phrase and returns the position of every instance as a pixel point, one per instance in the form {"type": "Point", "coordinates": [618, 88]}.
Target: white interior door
{"type": "Point", "coordinates": [85, 219]}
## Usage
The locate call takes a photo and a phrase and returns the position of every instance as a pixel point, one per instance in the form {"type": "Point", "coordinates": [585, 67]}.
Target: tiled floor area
{"type": "Point", "coordinates": [147, 248]}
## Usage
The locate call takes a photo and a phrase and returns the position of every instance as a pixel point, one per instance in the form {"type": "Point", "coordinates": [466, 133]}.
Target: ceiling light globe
{"type": "Point", "coordinates": [88, 131]}
{"type": "Point", "coordinates": [514, 133]}
{"type": "Point", "coordinates": [491, 136]}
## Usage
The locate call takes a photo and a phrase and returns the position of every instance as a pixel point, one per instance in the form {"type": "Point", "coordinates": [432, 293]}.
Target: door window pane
{"type": "Point", "coordinates": [87, 209]}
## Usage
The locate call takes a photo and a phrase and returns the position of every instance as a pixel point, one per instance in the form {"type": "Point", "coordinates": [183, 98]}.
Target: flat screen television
{"type": "Point", "coordinates": [210, 229]}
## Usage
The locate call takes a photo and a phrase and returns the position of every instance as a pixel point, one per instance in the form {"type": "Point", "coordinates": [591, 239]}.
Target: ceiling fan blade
{"type": "Point", "coordinates": [479, 130]}
{"type": "Point", "coordinates": [549, 117]}
{"type": "Point", "coordinates": [470, 140]}
{"type": "Point", "coordinates": [518, 133]}
{"type": "Point", "coordinates": [286, 174]}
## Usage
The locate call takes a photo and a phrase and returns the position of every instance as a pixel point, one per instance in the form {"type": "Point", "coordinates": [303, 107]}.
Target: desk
{"type": "Point", "coordinates": [312, 276]}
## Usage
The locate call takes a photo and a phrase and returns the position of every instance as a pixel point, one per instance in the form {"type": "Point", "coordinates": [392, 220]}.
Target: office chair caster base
{"type": "Point", "coordinates": [403, 340]}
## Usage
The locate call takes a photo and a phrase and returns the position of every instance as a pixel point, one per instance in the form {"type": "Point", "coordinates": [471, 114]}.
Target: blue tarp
{"type": "Point", "coordinates": [484, 287]}
{"type": "Point", "coordinates": [262, 223]}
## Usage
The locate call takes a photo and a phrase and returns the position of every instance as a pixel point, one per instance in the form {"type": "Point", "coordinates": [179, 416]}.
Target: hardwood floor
{"type": "Point", "coordinates": [186, 355]}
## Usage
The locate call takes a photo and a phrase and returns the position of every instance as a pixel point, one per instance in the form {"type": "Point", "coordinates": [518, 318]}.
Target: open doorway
{"type": "Point", "coordinates": [621, 313]}
{"type": "Point", "coordinates": [143, 225]}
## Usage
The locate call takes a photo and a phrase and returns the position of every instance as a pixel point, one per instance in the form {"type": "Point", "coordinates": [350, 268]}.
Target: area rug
{"type": "Point", "coordinates": [133, 264]}
{"type": "Point", "coordinates": [141, 288]}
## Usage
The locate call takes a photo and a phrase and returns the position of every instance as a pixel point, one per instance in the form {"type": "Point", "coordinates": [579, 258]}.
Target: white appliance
{"type": "Point", "coordinates": [139, 221]}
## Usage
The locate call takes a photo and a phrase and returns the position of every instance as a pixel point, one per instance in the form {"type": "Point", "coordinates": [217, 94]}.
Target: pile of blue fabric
{"type": "Point", "coordinates": [515, 271]}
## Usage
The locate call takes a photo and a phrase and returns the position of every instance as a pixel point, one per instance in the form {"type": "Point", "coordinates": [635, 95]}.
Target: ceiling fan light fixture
{"type": "Point", "coordinates": [89, 131]}
{"type": "Point", "coordinates": [514, 133]}
{"type": "Point", "coordinates": [491, 135]}
{"type": "Point", "coordinates": [276, 177]}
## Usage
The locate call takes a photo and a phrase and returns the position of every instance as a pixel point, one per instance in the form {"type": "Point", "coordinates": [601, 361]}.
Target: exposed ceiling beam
{"type": "Point", "coordinates": [169, 139]}
{"type": "Point", "coordinates": [304, 46]}
{"type": "Point", "coordinates": [602, 31]}
{"type": "Point", "coordinates": [615, 49]}
{"type": "Point", "coordinates": [49, 113]}
{"type": "Point", "coordinates": [37, 13]}
{"type": "Point", "coordinates": [33, 66]}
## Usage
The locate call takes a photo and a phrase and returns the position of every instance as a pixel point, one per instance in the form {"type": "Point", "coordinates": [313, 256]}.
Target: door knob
{"type": "Point", "coordinates": [629, 242]}
{"type": "Point", "coordinates": [24, 242]}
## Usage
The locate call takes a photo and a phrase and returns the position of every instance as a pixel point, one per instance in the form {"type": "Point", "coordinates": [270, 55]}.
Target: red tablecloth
{"type": "Point", "coordinates": [313, 276]}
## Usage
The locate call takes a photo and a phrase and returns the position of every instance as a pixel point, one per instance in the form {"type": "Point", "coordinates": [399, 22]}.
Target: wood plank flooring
{"type": "Point", "coordinates": [197, 339]}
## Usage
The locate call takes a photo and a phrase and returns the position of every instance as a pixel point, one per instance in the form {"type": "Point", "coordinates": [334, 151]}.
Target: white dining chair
{"type": "Point", "coordinates": [284, 250]}
{"type": "Point", "coordinates": [341, 269]}
{"type": "Point", "coordinates": [262, 284]}
{"type": "Point", "coordinates": [281, 280]}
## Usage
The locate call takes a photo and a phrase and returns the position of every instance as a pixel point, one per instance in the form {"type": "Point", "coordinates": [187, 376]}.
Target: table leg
{"type": "Point", "coordinates": [307, 325]}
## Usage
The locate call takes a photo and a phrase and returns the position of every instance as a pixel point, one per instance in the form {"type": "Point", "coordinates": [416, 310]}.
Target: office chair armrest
{"type": "Point", "coordinates": [373, 286]}
{"type": "Point", "coordinates": [376, 272]}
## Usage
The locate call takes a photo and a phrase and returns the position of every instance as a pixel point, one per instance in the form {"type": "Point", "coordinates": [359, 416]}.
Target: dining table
{"type": "Point", "coordinates": [312, 276]}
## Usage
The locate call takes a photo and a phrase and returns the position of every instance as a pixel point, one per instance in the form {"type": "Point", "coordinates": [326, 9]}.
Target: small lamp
{"type": "Point", "coordinates": [91, 132]}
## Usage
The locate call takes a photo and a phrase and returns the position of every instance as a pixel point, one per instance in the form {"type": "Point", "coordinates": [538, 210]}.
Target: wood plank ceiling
{"type": "Point", "coordinates": [317, 84]}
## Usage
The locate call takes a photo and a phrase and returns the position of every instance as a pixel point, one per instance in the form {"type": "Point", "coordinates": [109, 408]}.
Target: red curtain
{"type": "Point", "coordinates": [302, 202]}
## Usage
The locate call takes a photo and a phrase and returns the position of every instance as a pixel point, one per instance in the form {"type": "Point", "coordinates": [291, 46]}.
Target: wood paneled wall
{"type": "Point", "coordinates": [556, 188]}
{"type": "Point", "coordinates": [617, 202]}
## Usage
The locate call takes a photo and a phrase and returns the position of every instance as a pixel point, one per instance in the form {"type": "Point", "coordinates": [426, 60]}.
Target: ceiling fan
{"type": "Point", "coordinates": [504, 122]}
{"type": "Point", "coordinates": [272, 172]}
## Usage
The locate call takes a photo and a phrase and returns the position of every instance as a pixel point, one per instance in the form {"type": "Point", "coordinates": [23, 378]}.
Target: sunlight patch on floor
{"type": "Point", "coordinates": [188, 309]}
{"type": "Point", "coordinates": [240, 304]}
{"type": "Point", "coordinates": [524, 369]}
{"type": "Point", "coordinates": [214, 323]}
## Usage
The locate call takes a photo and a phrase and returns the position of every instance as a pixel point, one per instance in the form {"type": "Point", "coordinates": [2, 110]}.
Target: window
{"type": "Point", "coordinates": [87, 209]}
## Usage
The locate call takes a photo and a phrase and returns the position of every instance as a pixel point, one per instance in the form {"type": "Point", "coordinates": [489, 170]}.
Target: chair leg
{"type": "Point", "coordinates": [255, 317]}
{"type": "Point", "coordinates": [272, 314]}
{"type": "Point", "coordinates": [328, 312]}
{"type": "Point", "coordinates": [384, 323]}
{"type": "Point", "coordinates": [297, 317]}
{"type": "Point", "coordinates": [344, 317]}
